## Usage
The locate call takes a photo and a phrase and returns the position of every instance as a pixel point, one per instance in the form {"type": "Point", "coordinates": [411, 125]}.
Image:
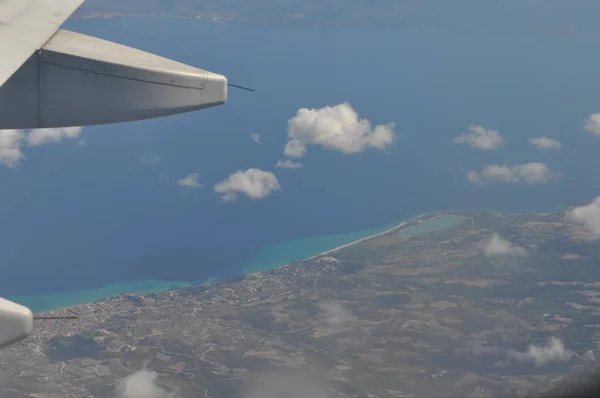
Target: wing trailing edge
{"type": "Point", "coordinates": [78, 80]}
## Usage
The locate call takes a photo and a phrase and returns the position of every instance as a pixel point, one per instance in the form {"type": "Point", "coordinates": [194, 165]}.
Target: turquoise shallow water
{"type": "Point", "coordinates": [49, 302]}
{"type": "Point", "coordinates": [279, 254]}
{"type": "Point", "coordinates": [285, 252]}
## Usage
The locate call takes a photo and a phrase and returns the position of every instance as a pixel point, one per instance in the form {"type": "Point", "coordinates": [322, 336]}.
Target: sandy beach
{"type": "Point", "coordinates": [397, 228]}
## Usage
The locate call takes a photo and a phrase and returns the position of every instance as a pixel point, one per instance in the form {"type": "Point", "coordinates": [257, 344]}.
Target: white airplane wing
{"type": "Point", "coordinates": [55, 78]}
{"type": "Point", "coordinates": [25, 26]}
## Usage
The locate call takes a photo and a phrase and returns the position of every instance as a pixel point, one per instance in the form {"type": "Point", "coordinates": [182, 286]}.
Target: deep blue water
{"type": "Point", "coordinates": [76, 217]}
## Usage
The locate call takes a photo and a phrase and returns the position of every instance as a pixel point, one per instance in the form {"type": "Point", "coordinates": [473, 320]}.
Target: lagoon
{"type": "Point", "coordinates": [435, 224]}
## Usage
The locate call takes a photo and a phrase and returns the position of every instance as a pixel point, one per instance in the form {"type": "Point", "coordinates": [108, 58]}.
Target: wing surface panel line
{"type": "Point", "coordinates": [26, 26]}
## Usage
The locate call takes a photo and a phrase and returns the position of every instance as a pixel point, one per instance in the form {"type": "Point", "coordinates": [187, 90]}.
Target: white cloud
{"type": "Point", "coordinates": [587, 217]}
{"type": "Point", "coordinates": [545, 143]}
{"type": "Point", "coordinates": [255, 138]}
{"type": "Point", "coordinates": [592, 125]}
{"type": "Point", "coordinates": [481, 138]}
{"type": "Point", "coordinates": [142, 384]}
{"type": "Point", "coordinates": [497, 246]}
{"type": "Point", "coordinates": [10, 147]}
{"type": "Point", "coordinates": [531, 173]}
{"type": "Point", "coordinates": [294, 148]}
{"type": "Point", "coordinates": [44, 136]}
{"type": "Point", "coordinates": [255, 183]}
{"type": "Point", "coordinates": [554, 350]}
{"type": "Point", "coordinates": [335, 127]}
{"type": "Point", "coordinates": [190, 181]}
{"type": "Point", "coordinates": [335, 314]}
{"type": "Point", "coordinates": [288, 164]}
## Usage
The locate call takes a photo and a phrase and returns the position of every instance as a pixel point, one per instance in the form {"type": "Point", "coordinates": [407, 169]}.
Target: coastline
{"type": "Point", "coordinates": [51, 302]}
{"type": "Point", "coordinates": [43, 304]}
{"type": "Point", "coordinates": [171, 286]}
{"type": "Point", "coordinates": [398, 227]}
{"type": "Point", "coordinates": [390, 230]}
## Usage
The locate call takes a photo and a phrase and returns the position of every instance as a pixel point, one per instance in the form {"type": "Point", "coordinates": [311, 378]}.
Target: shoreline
{"type": "Point", "coordinates": [390, 230]}
{"type": "Point", "coordinates": [398, 227]}
{"type": "Point", "coordinates": [401, 226]}
{"type": "Point", "coordinates": [436, 213]}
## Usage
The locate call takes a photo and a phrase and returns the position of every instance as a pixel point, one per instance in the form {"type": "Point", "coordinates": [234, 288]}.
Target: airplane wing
{"type": "Point", "coordinates": [51, 77]}
{"type": "Point", "coordinates": [25, 26]}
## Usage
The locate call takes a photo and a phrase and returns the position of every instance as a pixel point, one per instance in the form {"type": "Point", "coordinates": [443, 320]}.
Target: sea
{"type": "Point", "coordinates": [89, 218]}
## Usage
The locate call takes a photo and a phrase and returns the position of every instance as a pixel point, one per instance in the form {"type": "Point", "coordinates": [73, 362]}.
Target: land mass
{"type": "Point", "coordinates": [431, 315]}
{"type": "Point", "coordinates": [555, 17]}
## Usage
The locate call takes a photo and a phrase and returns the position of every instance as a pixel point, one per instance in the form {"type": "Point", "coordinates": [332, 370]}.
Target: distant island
{"type": "Point", "coordinates": [545, 17]}
{"type": "Point", "coordinates": [448, 302]}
